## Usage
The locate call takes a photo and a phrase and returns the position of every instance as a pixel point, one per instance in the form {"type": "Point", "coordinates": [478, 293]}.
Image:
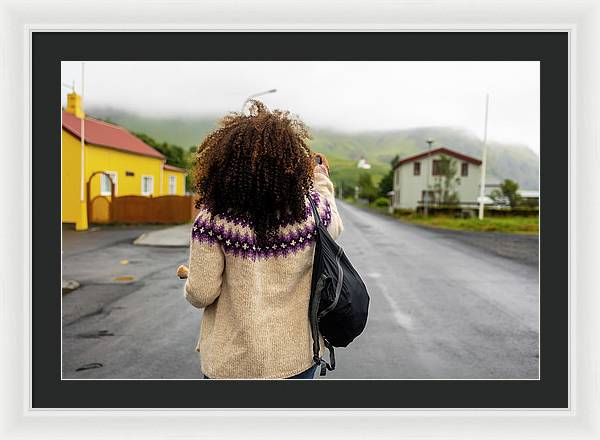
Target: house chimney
{"type": "Point", "coordinates": [75, 105]}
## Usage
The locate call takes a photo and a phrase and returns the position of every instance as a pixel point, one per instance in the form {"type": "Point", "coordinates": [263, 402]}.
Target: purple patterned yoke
{"type": "Point", "coordinates": [220, 229]}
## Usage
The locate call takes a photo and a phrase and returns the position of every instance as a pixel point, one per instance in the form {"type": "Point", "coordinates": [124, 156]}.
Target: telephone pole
{"type": "Point", "coordinates": [484, 158]}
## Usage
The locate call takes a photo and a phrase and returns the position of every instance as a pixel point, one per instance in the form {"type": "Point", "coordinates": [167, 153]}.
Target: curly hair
{"type": "Point", "coordinates": [256, 167]}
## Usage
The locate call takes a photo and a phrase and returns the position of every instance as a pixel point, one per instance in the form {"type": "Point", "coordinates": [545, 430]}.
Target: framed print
{"type": "Point", "coordinates": [185, 295]}
{"type": "Point", "coordinates": [412, 341]}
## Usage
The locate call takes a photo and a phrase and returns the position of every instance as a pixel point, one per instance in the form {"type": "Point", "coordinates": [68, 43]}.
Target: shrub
{"type": "Point", "coordinates": [519, 212]}
{"type": "Point", "coordinates": [440, 210]}
{"type": "Point", "coordinates": [382, 202]}
{"type": "Point", "coordinates": [366, 188]}
{"type": "Point", "coordinates": [403, 212]}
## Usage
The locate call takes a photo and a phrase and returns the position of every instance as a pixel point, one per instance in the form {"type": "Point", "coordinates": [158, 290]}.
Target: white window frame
{"type": "Point", "coordinates": [114, 177]}
{"type": "Point", "coordinates": [172, 179]}
{"type": "Point", "coordinates": [147, 193]}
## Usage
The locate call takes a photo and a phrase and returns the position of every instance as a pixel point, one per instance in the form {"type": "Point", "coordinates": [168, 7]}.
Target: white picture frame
{"type": "Point", "coordinates": [18, 20]}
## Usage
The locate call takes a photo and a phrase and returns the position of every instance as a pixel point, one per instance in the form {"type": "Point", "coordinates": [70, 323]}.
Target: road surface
{"type": "Point", "coordinates": [441, 307]}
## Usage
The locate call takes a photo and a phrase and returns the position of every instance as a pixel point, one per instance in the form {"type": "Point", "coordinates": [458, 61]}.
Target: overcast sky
{"type": "Point", "coordinates": [348, 96]}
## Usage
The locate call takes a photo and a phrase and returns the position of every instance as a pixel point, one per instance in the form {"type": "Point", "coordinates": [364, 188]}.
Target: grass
{"type": "Point", "coordinates": [511, 224]}
{"type": "Point", "coordinates": [507, 224]}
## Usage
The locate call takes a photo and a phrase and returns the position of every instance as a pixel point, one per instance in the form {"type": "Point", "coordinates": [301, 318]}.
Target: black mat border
{"type": "Point", "coordinates": [49, 48]}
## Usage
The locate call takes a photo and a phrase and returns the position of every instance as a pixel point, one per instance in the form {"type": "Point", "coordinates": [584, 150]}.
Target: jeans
{"type": "Point", "coordinates": [306, 374]}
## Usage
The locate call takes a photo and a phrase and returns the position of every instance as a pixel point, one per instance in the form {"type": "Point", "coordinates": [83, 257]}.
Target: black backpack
{"type": "Point", "coordinates": [339, 301]}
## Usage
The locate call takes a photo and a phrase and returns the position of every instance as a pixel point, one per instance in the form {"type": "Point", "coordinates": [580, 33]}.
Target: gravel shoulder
{"type": "Point", "coordinates": [521, 247]}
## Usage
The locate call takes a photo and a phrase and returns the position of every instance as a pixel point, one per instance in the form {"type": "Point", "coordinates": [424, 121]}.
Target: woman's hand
{"type": "Point", "coordinates": [321, 169]}
{"type": "Point", "coordinates": [323, 166]}
{"type": "Point", "coordinates": [182, 272]}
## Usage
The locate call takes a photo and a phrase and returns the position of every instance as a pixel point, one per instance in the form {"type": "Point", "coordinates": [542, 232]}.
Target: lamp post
{"type": "Point", "coordinates": [426, 198]}
{"type": "Point", "coordinates": [266, 92]}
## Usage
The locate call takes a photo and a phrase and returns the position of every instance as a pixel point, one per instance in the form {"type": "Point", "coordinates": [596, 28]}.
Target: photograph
{"type": "Point", "coordinates": [326, 220]}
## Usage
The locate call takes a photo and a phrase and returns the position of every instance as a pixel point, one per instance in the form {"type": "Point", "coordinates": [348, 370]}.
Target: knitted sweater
{"type": "Point", "coordinates": [255, 322]}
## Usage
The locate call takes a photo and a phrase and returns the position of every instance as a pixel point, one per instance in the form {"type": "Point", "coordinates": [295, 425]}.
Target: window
{"type": "Point", "coordinates": [437, 168]}
{"type": "Point", "coordinates": [105, 183]}
{"type": "Point", "coordinates": [172, 184]}
{"type": "Point", "coordinates": [147, 185]}
{"type": "Point", "coordinates": [397, 176]}
{"type": "Point", "coordinates": [417, 168]}
{"type": "Point", "coordinates": [464, 169]}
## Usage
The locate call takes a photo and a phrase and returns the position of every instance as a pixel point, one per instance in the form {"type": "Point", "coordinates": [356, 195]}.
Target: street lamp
{"type": "Point", "coordinates": [426, 198]}
{"type": "Point", "coordinates": [254, 96]}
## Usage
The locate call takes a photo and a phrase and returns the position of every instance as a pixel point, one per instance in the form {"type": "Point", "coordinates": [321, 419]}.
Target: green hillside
{"type": "Point", "coordinates": [516, 162]}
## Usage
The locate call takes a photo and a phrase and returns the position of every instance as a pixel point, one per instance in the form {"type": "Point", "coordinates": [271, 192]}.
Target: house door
{"type": "Point", "coordinates": [99, 210]}
{"type": "Point", "coordinates": [430, 196]}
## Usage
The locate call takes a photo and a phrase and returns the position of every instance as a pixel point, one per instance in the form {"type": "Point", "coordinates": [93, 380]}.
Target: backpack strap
{"type": "Point", "coordinates": [314, 321]}
{"type": "Point", "coordinates": [324, 365]}
{"type": "Point", "coordinates": [315, 211]}
{"type": "Point", "coordinates": [314, 324]}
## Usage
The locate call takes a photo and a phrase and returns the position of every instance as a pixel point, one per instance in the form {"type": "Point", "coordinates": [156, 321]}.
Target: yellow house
{"type": "Point", "coordinates": [108, 150]}
{"type": "Point", "coordinates": [173, 180]}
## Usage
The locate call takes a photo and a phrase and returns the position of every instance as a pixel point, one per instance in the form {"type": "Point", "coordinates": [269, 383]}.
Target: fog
{"type": "Point", "coordinates": [346, 96]}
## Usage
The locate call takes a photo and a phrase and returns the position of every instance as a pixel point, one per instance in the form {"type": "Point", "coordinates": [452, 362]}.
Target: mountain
{"type": "Point", "coordinates": [505, 161]}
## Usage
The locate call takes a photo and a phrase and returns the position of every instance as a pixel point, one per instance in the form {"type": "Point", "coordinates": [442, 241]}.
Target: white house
{"type": "Point", "coordinates": [363, 164]}
{"type": "Point", "coordinates": [411, 175]}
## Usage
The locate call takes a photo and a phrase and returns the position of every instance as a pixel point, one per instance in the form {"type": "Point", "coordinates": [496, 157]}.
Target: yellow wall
{"type": "Point", "coordinates": [71, 175]}
{"type": "Point", "coordinates": [180, 190]}
{"type": "Point", "coordinates": [107, 159]}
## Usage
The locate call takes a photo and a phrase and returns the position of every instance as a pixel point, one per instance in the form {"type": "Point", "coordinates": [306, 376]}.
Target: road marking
{"type": "Point", "coordinates": [404, 320]}
{"type": "Point", "coordinates": [124, 278]}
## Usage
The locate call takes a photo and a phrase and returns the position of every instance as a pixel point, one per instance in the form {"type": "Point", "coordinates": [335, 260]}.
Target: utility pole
{"type": "Point", "coordinates": [82, 137]}
{"type": "Point", "coordinates": [83, 222]}
{"type": "Point", "coordinates": [484, 159]}
{"type": "Point", "coordinates": [427, 171]}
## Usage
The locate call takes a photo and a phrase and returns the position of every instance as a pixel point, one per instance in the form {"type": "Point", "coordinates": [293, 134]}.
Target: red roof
{"type": "Point", "coordinates": [107, 135]}
{"type": "Point", "coordinates": [441, 150]}
{"type": "Point", "coordinates": [173, 168]}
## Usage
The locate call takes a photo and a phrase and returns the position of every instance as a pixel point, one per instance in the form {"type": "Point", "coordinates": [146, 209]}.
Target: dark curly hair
{"type": "Point", "coordinates": [257, 167]}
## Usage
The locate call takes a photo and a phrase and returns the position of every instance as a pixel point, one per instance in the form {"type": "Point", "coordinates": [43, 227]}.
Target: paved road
{"type": "Point", "coordinates": [441, 307]}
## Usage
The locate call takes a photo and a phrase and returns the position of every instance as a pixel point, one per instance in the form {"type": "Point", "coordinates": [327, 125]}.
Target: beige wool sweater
{"type": "Point", "coordinates": [255, 322]}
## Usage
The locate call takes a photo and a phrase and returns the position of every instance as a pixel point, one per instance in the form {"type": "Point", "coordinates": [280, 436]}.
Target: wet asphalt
{"type": "Point", "coordinates": [444, 304]}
